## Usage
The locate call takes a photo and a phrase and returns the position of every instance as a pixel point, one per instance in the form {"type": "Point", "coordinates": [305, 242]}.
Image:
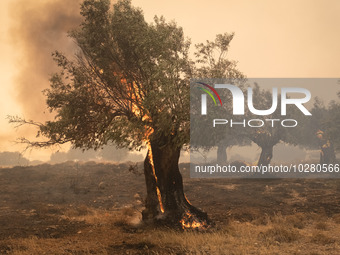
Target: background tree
{"type": "Point", "coordinates": [321, 130]}
{"type": "Point", "coordinates": [8, 158]}
{"type": "Point", "coordinates": [267, 136]}
{"type": "Point", "coordinates": [272, 132]}
{"type": "Point", "coordinates": [214, 67]}
{"type": "Point", "coordinates": [332, 124]}
{"type": "Point", "coordinates": [128, 84]}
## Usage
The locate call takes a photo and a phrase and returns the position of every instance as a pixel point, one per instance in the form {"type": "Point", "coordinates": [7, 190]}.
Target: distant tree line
{"type": "Point", "coordinates": [8, 158]}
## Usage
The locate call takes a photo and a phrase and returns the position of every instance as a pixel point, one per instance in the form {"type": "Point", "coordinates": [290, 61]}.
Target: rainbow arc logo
{"type": "Point", "coordinates": [209, 93]}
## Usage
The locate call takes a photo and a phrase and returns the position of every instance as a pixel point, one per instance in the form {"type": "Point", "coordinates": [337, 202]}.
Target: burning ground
{"type": "Point", "coordinates": [89, 208]}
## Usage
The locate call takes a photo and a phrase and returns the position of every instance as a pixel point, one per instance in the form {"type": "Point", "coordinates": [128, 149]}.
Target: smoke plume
{"type": "Point", "coordinates": [38, 29]}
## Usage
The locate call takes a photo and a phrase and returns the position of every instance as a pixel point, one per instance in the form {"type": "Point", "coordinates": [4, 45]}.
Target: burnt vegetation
{"type": "Point", "coordinates": [126, 82]}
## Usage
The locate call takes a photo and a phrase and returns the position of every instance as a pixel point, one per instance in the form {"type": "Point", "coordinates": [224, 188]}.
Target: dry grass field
{"type": "Point", "coordinates": [89, 208]}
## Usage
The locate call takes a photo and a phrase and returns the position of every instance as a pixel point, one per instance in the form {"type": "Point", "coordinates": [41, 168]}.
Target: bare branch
{"type": "Point", "coordinates": [18, 121]}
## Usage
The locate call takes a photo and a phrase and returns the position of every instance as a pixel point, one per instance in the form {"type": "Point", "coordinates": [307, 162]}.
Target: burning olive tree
{"type": "Point", "coordinates": [129, 84]}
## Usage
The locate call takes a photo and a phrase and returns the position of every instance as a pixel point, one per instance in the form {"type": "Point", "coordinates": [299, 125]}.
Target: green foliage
{"type": "Point", "coordinates": [325, 119]}
{"type": "Point", "coordinates": [266, 135]}
{"type": "Point", "coordinates": [332, 124]}
{"type": "Point", "coordinates": [212, 60]}
{"type": "Point", "coordinates": [129, 79]}
{"type": "Point", "coordinates": [212, 66]}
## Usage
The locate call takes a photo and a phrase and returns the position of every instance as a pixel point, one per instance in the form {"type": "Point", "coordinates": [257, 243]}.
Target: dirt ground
{"type": "Point", "coordinates": [91, 208]}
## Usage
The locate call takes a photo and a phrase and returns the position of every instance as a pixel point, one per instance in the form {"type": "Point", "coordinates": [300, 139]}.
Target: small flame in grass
{"type": "Point", "coordinates": [189, 221]}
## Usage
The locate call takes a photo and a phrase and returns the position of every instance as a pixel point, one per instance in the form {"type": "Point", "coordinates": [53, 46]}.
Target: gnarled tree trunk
{"type": "Point", "coordinates": [222, 153]}
{"type": "Point", "coordinates": [266, 140]}
{"type": "Point", "coordinates": [166, 202]}
{"type": "Point", "coordinates": [266, 155]}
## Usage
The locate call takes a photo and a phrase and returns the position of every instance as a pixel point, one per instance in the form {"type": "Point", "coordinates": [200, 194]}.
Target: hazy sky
{"type": "Point", "coordinates": [272, 39]}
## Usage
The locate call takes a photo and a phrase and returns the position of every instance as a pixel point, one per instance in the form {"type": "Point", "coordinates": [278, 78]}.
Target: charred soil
{"type": "Point", "coordinates": [91, 208]}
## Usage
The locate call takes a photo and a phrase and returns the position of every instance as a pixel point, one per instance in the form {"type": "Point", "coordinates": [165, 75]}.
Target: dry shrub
{"type": "Point", "coordinates": [321, 238]}
{"type": "Point", "coordinates": [128, 211]}
{"type": "Point", "coordinates": [83, 210]}
{"type": "Point", "coordinates": [321, 225]}
{"type": "Point", "coordinates": [120, 221]}
{"type": "Point", "coordinates": [336, 218]}
{"type": "Point", "coordinates": [5, 247]}
{"type": "Point", "coordinates": [76, 211]}
{"type": "Point", "coordinates": [125, 217]}
{"type": "Point", "coordinates": [43, 209]}
{"type": "Point", "coordinates": [281, 234]}
{"type": "Point", "coordinates": [297, 220]}
{"type": "Point", "coordinates": [87, 214]}
{"type": "Point", "coordinates": [193, 242]}
{"type": "Point", "coordinates": [262, 220]}
{"type": "Point", "coordinates": [316, 217]}
{"type": "Point", "coordinates": [34, 245]}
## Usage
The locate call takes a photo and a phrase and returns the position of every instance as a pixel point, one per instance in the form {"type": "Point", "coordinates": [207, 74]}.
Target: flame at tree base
{"type": "Point", "coordinates": [191, 221]}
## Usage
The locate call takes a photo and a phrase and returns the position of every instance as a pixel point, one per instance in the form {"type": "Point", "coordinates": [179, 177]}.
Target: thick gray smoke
{"type": "Point", "coordinates": [38, 29]}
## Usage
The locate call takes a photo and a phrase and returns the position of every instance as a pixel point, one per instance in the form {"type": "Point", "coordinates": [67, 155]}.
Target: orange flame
{"type": "Point", "coordinates": [154, 174]}
{"type": "Point", "coordinates": [187, 199]}
{"type": "Point", "coordinates": [189, 221]}
{"type": "Point", "coordinates": [136, 96]}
